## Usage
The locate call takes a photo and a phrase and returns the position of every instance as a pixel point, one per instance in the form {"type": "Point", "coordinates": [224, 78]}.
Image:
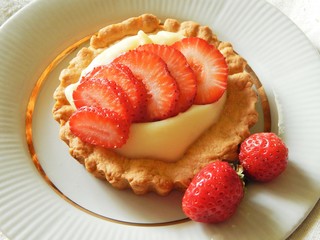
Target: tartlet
{"type": "Point", "coordinates": [142, 175]}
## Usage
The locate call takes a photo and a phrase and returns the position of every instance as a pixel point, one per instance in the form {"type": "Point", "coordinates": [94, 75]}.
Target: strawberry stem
{"type": "Point", "coordinates": [239, 170]}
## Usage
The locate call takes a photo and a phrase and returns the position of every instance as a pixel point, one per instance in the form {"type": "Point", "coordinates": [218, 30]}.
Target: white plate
{"type": "Point", "coordinates": [82, 207]}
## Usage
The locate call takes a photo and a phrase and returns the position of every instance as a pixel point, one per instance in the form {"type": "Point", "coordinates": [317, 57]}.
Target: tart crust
{"type": "Point", "coordinates": [221, 141]}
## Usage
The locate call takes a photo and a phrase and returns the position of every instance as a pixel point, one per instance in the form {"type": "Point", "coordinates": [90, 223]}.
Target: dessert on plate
{"type": "Point", "coordinates": [162, 136]}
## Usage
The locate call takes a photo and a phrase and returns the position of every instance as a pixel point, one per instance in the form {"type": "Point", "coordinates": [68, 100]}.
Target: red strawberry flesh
{"type": "Point", "coordinates": [101, 127]}
{"type": "Point", "coordinates": [103, 94]}
{"type": "Point", "coordinates": [123, 77]}
{"type": "Point", "coordinates": [209, 66]}
{"type": "Point", "coordinates": [180, 71]}
{"type": "Point", "coordinates": [163, 92]}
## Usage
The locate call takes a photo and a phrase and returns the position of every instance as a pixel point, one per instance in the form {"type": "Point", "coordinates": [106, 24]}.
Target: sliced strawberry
{"type": "Point", "coordinates": [162, 88]}
{"type": "Point", "coordinates": [209, 66]}
{"type": "Point", "coordinates": [123, 77]}
{"type": "Point", "coordinates": [180, 71]}
{"type": "Point", "coordinates": [96, 92]}
{"type": "Point", "coordinates": [101, 127]}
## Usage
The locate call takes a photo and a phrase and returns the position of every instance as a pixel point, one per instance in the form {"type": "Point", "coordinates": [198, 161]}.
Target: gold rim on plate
{"type": "Point", "coordinates": [29, 114]}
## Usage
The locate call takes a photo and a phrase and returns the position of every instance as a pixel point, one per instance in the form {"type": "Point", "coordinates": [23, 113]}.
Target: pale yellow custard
{"type": "Point", "coordinates": [168, 139]}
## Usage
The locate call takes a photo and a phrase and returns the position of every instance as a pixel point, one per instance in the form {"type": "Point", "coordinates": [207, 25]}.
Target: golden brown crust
{"type": "Point", "coordinates": [107, 35]}
{"type": "Point", "coordinates": [143, 175]}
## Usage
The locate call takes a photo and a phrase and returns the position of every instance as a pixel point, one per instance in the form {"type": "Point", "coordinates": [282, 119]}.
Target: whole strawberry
{"type": "Point", "coordinates": [214, 193]}
{"type": "Point", "coordinates": [263, 156]}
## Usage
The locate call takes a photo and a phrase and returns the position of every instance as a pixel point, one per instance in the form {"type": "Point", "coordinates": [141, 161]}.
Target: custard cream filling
{"type": "Point", "coordinates": [168, 139]}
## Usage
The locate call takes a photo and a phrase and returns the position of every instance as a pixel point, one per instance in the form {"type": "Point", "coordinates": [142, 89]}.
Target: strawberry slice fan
{"type": "Point", "coordinates": [151, 83]}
